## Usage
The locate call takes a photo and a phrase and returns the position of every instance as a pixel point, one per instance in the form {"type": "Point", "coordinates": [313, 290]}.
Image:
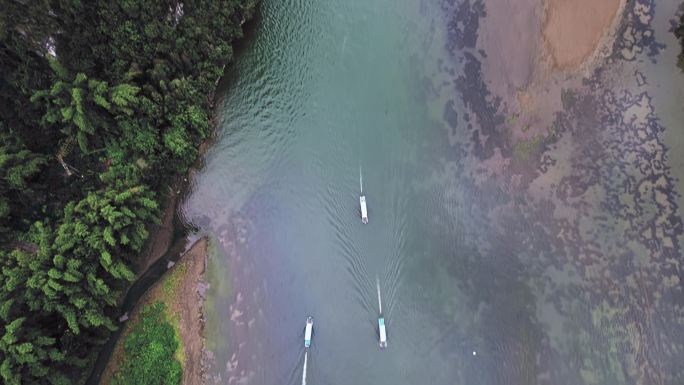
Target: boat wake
{"type": "Point", "coordinates": [361, 179]}
{"type": "Point", "coordinates": [377, 284]}
{"type": "Point", "coordinates": [306, 355]}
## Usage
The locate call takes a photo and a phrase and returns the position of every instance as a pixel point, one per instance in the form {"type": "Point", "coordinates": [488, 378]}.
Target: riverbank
{"type": "Point", "coordinates": [180, 290]}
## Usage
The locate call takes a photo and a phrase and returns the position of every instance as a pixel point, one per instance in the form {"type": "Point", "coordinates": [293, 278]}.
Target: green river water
{"type": "Point", "coordinates": [558, 264]}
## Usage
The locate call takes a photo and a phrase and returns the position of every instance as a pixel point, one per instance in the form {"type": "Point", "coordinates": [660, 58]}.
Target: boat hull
{"type": "Point", "coordinates": [383, 332]}
{"type": "Point", "coordinates": [364, 209]}
{"type": "Point", "coordinates": [308, 332]}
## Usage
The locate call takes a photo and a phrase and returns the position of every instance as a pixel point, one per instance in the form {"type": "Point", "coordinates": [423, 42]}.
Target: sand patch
{"type": "Point", "coordinates": [534, 49]}
{"type": "Point", "coordinates": [573, 29]}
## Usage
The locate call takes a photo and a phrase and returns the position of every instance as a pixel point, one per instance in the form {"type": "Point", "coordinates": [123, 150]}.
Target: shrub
{"type": "Point", "coordinates": [149, 351]}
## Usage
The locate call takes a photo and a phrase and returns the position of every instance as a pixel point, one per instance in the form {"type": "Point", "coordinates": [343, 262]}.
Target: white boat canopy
{"type": "Point", "coordinates": [308, 331]}
{"type": "Point", "coordinates": [364, 209]}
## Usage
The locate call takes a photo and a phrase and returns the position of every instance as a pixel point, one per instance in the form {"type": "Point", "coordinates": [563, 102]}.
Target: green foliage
{"type": "Point", "coordinates": [83, 107]}
{"type": "Point", "coordinates": [150, 351]}
{"type": "Point", "coordinates": [27, 350]}
{"type": "Point", "coordinates": [24, 348]}
{"type": "Point", "coordinates": [102, 104]}
{"type": "Point", "coordinates": [18, 168]}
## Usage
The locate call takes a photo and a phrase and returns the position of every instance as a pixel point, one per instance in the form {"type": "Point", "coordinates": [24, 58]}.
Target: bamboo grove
{"type": "Point", "coordinates": [102, 105]}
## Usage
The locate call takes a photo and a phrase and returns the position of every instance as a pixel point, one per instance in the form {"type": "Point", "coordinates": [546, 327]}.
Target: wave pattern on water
{"type": "Point", "coordinates": [338, 214]}
{"type": "Point", "coordinates": [399, 202]}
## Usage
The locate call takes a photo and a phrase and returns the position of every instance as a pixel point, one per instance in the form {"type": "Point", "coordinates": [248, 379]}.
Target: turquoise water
{"type": "Point", "coordinates": [526, 270]}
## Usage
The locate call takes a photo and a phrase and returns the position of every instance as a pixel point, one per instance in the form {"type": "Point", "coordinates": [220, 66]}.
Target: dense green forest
{"type": "Point", "coordinates": [102, 105]}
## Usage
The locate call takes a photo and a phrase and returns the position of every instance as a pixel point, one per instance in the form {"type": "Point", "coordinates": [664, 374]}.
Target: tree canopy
{"type": "Point", "coordinates": [102, 105]}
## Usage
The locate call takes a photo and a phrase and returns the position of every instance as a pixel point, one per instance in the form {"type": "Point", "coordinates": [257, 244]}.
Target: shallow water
{"type": "Point", "coordinates": [535, 256]}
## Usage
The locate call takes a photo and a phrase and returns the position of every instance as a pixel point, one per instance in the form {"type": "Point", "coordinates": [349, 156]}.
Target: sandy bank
{"type": "Point", "coordinates": [535, 49]}
{"type": "Point", "coordinates": [180, 289]}
{"type": "Point", "coordinates": [573, 30]}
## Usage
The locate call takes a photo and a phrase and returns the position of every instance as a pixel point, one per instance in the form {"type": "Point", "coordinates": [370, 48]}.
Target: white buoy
{"type": "Point", "coordinates": [474, 353]}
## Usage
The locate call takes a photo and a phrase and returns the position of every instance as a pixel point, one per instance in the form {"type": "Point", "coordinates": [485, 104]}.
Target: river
{"type": "Point", "coordinates": [542, 260]}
